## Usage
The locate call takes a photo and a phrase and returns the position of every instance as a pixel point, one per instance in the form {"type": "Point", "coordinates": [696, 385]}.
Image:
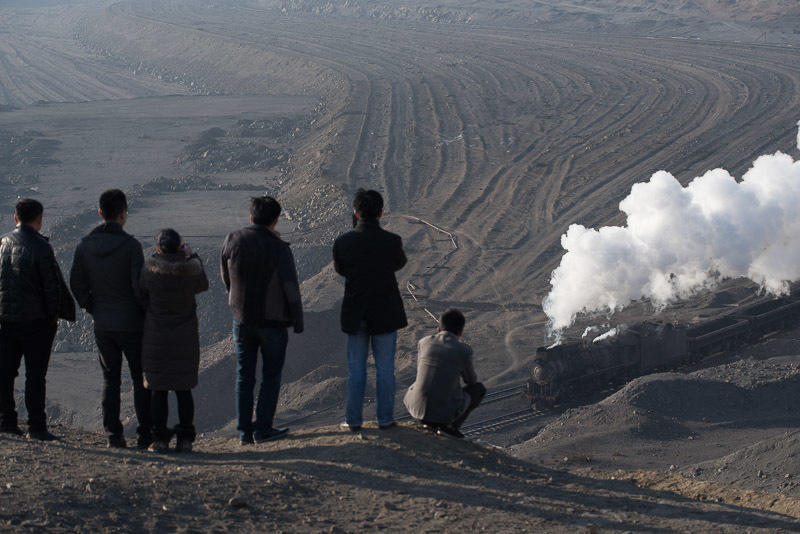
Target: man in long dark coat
{"type": "Point", "coordinates": [372, 309]}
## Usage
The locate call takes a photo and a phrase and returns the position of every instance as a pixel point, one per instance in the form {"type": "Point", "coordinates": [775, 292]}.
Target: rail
{"type": "Point", "coordinates": [494, 396]}
{"type": "Point", "coordinates": [451, 235]}
{"type": "Point", "coordinates": [496, 423]}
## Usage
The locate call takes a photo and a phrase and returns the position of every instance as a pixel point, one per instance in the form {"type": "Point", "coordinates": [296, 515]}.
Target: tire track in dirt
{"type": "Point", "coordinates": [555, 128]}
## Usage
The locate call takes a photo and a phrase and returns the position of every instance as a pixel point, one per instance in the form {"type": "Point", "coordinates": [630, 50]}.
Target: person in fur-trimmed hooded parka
{"type": "Point", "coordinates": [169, 281]}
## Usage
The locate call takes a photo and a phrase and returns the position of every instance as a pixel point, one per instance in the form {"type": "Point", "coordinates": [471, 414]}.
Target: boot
{"type": "Point", "coordinates": [183, 445]}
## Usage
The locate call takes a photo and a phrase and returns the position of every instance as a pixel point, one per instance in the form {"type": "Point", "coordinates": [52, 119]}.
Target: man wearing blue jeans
{"type": "Point", "coordinates": [259, 272]}
{"type": "Point", "coordinates": [372, 308]}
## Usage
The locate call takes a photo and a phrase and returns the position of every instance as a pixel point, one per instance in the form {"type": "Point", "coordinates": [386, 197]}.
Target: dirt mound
{"type": "Point", "coordinates": [328, 480]}
{"type": "Point", "coordinates": [320, 388]}
{"type": "Point", "coordinates": [22, 155]}
{"type": "Point", "coordinates": [751, 10]}
{"type": "Point", "coordinates": [771, 465]}
{"type": "Point", "coordinates": [671, 418]}
{"type": "Point", "coordinates": [656, 406]}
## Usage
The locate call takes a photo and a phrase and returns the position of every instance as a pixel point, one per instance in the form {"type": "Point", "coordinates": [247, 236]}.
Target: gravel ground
{"type": "Point", "coordinates": [328, 480]}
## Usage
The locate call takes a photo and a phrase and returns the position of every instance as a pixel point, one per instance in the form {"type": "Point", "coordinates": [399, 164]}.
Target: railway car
{"type": "Point", "coordinates": [573, 369]}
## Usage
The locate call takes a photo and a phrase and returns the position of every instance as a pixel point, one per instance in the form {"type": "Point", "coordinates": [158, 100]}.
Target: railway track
{"type": "Point", "coordinates": [491, 397]}
{"type": "Point", "coordinates": [494, 424]}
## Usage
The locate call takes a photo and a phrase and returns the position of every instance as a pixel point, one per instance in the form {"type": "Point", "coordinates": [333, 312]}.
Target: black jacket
{"type": "Point", "coordinates": [170, 341]}
{"type": "Point", "coordinates": [31, 285]}
{"type": "Point", "coordinates": [259, 272]}
{"type": "Point", "coordinates": [368, 257]}
{"type": "Point", "coordinates": [105, 278]}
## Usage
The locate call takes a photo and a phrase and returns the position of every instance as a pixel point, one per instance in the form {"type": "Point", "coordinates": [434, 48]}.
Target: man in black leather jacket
{"type": "Point", "coordinates": [105, 280]}
{"type": "Point", "coordinates": [33, 296]}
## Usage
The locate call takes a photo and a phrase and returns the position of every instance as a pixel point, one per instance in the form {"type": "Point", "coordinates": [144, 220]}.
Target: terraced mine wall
{"type": "Point", "coordinates": [209, 63]}
{"type": "Point", "coordinates": [497, 137]}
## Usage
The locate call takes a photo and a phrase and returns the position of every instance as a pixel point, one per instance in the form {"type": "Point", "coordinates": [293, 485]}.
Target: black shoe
{"type": "Point", "coordinates": [387, 427]}
{"type": "Point", "coordinates": [42, 435]}
{"type": "Point", "coordinates": [270, 435]}
{"type": "Point", "coordinates": [143, 442]}
{"type": "Point", "coordinates": [17, 431]}
{"type": "Point", "coordinates": [116, 442]}
{"type": "Point", "coordinates": [351, 428]}
{"type": "Point", "coordinates": [246, 439]}
{"type": "Point", "coordinates": [446, 430]}
{"type": "Point", "coordinates": [183, 445]}
{"type": "Point", "coordinates": [430, 427]}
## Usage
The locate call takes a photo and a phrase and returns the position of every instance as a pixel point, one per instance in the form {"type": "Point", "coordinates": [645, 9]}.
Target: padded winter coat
{"type": "Point", "coordinates": [170, 341]}
{"type": "Point", "coordinates": [31, 285]}
{"type": "Point", "coordinates": [104, 278]}
{"type": "Point", "coordinates": [368, 257]}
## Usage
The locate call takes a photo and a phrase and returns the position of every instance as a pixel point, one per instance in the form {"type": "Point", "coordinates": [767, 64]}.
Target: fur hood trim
{"type": "Point", "coordinates": [174, 264]}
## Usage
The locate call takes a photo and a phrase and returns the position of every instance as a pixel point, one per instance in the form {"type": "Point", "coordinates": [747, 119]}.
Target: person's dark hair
{"type": "Point", "coordinates": [368, 204]}
{"type": "Point", "coordinates": [169, 241]}
{"type": "Point", "coordinates": [113, 203]}
{"type": "Point", "coordinates": [452, 321]}
{"type": "Point", "coordinates": [28, 210]}
{"type": "Point", "coordinates": [264, 210]}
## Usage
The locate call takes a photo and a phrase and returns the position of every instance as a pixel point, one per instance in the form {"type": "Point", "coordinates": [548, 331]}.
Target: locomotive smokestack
{"type": "Point", "coordinates": [679, 240]}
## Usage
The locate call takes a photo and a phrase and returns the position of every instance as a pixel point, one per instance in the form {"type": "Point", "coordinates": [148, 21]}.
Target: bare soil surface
{"type": "Point", "coordinates": [486, 139]}
{"type": "Point", "coordinates": [734, 424]}
{"type": "Point", "coordinates": [330, 480]}
{"type": "Point", "coordinates": [500, 137]}
{"type": "Point", "coordinates": [489, 127]}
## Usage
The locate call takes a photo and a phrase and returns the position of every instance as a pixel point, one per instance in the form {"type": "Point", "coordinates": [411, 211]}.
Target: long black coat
{"type": "Point", "coordinates": [368, 257]}
{"type": "Point", "coordinates": [170, 342]}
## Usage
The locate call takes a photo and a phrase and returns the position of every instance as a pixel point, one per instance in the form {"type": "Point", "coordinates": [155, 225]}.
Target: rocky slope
{"type": "Point", "coordinates": [327, 480]}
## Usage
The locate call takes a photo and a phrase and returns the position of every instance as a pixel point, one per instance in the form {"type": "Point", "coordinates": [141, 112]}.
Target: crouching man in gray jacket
{"type": "Point", "coordinates": [436, 398]}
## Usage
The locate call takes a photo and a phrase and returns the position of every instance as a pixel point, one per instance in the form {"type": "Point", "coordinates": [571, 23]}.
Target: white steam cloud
{"type": "Point", "coordinates": [679, 240]}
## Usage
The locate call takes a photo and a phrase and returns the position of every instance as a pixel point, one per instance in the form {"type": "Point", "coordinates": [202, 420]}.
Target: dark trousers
{"type": "Point", "coordinates": [33, 341]}
{"type": "Point", "coordinates": [476, 392]}
{"type": "Point", "coordinates": [247, 342]}
{"type": "Point", "coordinates": [112, 345]}
{"type": "Point", "coordinates": [185, 428]}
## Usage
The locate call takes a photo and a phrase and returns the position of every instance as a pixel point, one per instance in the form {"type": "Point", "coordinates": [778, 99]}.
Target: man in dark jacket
{"type": "Point", "coordinates": [436, 397]}
{"type": "Point", "coordinates": [33, 296]}
{"type": "Point", "coordinates": [104, 279]}
{"type": "Point", "coordinates": [372, 309]}
{"type": "Point", "coordinates": [258, 270]}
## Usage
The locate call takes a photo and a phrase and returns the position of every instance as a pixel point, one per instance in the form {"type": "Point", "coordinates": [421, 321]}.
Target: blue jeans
{"type": "Point", "coordinates": [272, 342]}
{"type": "Point", "coordinates": [383, 350]}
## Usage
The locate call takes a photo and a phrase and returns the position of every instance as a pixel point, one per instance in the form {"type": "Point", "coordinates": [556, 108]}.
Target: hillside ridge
{"type": "Point", "coordinates": [324, 479]}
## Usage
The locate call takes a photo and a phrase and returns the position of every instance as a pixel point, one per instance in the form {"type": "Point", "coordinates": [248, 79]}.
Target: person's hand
{"type": "Point", "coordinates": [186, 249]}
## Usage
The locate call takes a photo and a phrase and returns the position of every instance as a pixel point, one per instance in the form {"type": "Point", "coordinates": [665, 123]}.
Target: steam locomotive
{"type": "Point", "coordinates": [563, 372]}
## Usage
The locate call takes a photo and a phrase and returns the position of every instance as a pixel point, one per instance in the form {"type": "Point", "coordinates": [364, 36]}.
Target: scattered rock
{"type": "Point", "coordinates": [237, 502]}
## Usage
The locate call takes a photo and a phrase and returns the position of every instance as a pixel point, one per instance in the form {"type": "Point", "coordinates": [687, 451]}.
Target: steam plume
{"type": "Point", "coordinates": [679, 240]}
